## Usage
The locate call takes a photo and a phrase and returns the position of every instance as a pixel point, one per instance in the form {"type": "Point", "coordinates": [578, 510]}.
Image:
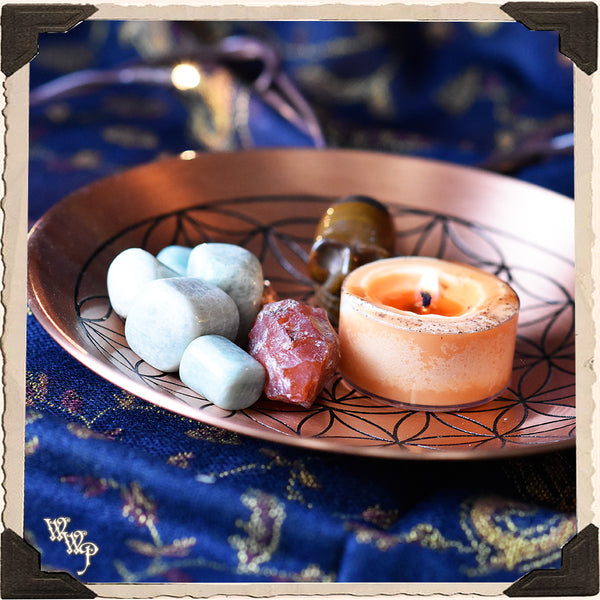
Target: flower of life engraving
{"type": "Point", "coordinates": [536, 412]}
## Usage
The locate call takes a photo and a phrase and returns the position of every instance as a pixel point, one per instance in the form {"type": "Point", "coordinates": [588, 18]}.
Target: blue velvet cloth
{"type": "Point", "coordinates": [167, 499]}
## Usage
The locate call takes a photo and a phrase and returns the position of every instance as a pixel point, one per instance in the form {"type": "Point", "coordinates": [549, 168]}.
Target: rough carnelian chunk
{"type": "Point", "coordinates": [298, 348]}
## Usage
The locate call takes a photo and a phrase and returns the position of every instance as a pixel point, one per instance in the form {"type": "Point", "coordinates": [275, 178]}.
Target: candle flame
{"type": "Point", "coordinates": [429, 288]}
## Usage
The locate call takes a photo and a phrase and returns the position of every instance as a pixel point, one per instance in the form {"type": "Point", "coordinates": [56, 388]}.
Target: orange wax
{"type": "Point", "coordinates": [407, 301]}
{"type": "Point", "coordinates": [449, 350]}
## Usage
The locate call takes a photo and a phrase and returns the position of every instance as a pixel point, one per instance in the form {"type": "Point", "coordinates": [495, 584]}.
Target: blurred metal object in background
{"type": "Point", "coordinates": [237, 55]}
{"type": "Point", "coordinates": [531, 152]}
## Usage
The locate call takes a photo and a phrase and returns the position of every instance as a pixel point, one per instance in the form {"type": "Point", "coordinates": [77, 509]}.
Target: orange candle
{"type": "Point", "coordinates": [427, 334]}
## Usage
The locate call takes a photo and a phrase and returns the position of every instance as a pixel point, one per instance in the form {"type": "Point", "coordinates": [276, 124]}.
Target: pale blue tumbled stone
{"type": "Point", "coordinates": [169, 313]}
{"type": "Point", "coordinates": [128, 273]}
{"type": "Point", "coordinates": [222, 372]}
{"type": "Point", "coordinates": [236, 271]}
{"type": "Point", "coordinates": [175, 257]}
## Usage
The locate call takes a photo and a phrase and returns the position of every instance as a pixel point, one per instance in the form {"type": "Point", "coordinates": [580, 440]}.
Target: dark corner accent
{"type": "Point", "coordinates": [576, 23]}
{"type": "Point", "coordinates": [578, 575]}
{"type": "Point", "coordinates": [21, 577]}
{"type": "Point", "coordinates": [21, 24]}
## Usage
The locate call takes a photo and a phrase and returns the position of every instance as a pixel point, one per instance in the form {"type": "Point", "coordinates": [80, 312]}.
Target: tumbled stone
{"type": "Point", "coordinates": [237, 272]}
{"type": "Point", "coordinates": [352, 232]}
{"type": "Point", "coordinates": [298, 347]}
{"type": "Point", "coordinates": [222, 372]}
{"type": "Point", "coordinates": [176, 258]}
{"type": "Point", "coordinates": [128, 273]}
{"type": "Point", "coordinates": [168, 314]}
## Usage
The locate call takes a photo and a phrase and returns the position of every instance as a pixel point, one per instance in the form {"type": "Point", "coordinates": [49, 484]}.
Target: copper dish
{"type": "Point", "coordinates": [270, 202]}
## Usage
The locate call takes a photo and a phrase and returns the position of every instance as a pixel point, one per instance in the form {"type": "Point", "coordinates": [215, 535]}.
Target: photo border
{"type": "Point", "coordinates": [578, 41]}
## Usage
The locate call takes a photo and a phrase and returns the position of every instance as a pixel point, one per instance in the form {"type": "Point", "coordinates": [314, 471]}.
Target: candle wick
{"type": "Point", "coordinates": [426, 297]}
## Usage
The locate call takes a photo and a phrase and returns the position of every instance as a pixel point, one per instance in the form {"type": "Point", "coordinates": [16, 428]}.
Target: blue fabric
{"type": "Point", "coordinates": [165, 498]}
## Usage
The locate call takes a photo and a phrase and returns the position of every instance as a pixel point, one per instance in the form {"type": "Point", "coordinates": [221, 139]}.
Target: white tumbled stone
{"type": "Point", "coordinates": [128, 273]}
{"type": "Point", "coordinates": [175, 257]}
{"type": "Point", "coordinates": [236, 271]}
{"type": "Point", "coordinates": [169, 313]}
{"type": "Point", "coordinates": [222, 372]}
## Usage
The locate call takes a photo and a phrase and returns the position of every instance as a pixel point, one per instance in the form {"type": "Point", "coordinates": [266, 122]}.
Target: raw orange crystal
{"type": "Point", "coordinates": [298, 348]}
